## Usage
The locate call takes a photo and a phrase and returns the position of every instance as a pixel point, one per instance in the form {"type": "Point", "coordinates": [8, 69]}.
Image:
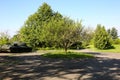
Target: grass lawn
{"type": "Point", "coordinates": [68, 55]}
{"type": "Point", "coordinates": [115, 50]}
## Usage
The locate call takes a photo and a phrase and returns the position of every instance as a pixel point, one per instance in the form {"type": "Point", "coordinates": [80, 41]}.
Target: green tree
{"type": "Point", "coordinates": [48, 28]}
{"type": "Point", "coordinates": [49, 32]}
{"type": "Point", "coordinates": [4, 38]}
{"type": "Point", "coordinates": [31, 30]}
{"type": "Point", "coordinates": [101, 38]}
{"type": "Point", "coordinates": [70, 33]}
{"type": "Point", "coordinates": [63, 32]}
{"type": "Point", "coordinates": [113, 33]}
{"type": "Point", "coordinates": [16, 38]}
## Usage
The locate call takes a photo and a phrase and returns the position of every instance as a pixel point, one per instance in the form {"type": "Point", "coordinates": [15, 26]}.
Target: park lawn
{"type": "Point", "coordinates": [115, 50]}
{"type": "Point", "coordinates": [68, 55]}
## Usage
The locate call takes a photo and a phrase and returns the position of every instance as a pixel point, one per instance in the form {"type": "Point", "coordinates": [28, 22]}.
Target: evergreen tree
{"type": "Point", "coordinates": [113, 33]}
{"type": "Point", "coordinates": [101, 38]}
{"type": "Point", "coordinates": [31, 31]}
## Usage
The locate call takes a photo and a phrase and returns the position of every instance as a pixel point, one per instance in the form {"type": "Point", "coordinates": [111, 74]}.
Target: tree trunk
{"type": "Point", "coordinates": [65, 47]}
{"type": "Point", "coordinates": [66, 50]}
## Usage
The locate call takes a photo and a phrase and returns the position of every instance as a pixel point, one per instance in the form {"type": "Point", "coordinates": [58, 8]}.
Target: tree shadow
{"type": "Point", "coordinates": [41, 68]}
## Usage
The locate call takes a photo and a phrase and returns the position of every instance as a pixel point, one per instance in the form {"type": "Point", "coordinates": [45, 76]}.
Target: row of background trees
{"type": "Point", "coordinates": [47, 28]}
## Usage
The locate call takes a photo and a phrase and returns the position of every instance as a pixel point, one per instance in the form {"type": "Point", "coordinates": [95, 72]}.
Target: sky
{"type": "Point", "coordinates": [13, 13]}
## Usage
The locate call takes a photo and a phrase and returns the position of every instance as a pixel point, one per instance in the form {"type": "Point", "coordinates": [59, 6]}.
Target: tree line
{"type": "Point", "coordinates": [47, 28]}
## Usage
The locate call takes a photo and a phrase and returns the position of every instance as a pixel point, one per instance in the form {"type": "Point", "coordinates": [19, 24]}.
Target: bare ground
{"type": "Point", "coordinates": [32, 66]}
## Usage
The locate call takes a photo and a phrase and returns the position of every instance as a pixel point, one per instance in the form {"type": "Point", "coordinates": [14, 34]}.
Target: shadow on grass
{"type": "Point", "coordinates": [42, 68]}
{"type": "Point", "coordinates": [68, 55]}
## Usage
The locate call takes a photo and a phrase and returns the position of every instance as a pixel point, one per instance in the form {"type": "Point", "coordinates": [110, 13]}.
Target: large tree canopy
{"type": "Point", "coordinates": [63, 32]}
{"type": "Point", "coordinates": [48, 28]}
{"type": "Point", "coordinates": [31, 30]}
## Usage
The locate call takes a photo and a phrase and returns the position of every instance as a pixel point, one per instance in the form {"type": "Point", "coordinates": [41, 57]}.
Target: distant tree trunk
{"type": "Point", "coordinates": [66, 46]}
{"type": "Point", "coordinates": [65, 49]}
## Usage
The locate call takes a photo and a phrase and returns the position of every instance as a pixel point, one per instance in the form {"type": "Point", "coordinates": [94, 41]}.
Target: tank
{"type": "Point", "coordinates": [15, 48]}
{"type": "Point", "coordinates": [20, 47]}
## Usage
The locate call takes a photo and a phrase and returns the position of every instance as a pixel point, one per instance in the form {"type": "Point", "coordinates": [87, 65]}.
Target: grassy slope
{"type": "Point", "coordinates": [116, 50]}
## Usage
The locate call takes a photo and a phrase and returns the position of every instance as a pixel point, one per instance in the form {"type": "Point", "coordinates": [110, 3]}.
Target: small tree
{"type": "Point", "coordinates": [70, 33]}
{"type": "Point", "coordinates": [101, 38]}
{"type": "Point", "coordinates": [63, 32]}
{"type": "Point", "coordinates": [4, 38]}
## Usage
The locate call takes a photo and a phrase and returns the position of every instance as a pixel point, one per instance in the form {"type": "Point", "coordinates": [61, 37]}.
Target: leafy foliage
{"type": "Point", "coordinates": [46, 28]}
{"type": "Point", "coordinates": [101, 38]}
{"type": "Point", "coordinates": [4, 38]}
{"type": "Point", "coordinates": [31, 30]}
{"type": "Point", "coordinates": [65, 33]}
{"type": "Point", "coordinates": [16, 38]}
{"type": "Point", "coordinates": [116, 41]}
{"type": "Point", "coordinates": [113, 33]}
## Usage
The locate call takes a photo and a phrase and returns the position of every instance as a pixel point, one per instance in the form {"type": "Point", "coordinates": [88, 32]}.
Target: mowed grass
{"type": "Point", "coordinates": [68, 55]}
{"type": "Point", "coordinates": [116, 49]}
